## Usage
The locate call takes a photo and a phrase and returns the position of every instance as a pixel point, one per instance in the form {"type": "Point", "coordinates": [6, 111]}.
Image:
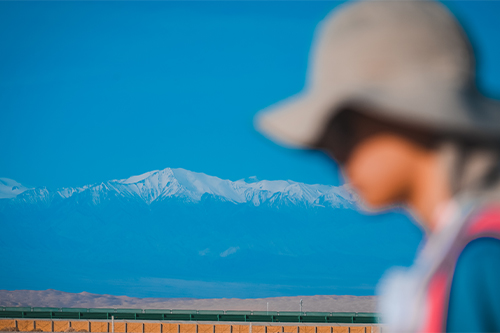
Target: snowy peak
{"type": "Point", "coordinates": [147, 186]}
{"type": "Point", "coordinates": [163, 184]}
{"type": "Point", "coordinates": [10, 188]}
{"type": "Point", "coordinates": [136, 179]}
{"type": "Point", "coordinates": [159, 185]}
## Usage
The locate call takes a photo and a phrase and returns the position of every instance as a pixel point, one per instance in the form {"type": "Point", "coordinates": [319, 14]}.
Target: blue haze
{"type": "Point", "coordinates": [173, 239]}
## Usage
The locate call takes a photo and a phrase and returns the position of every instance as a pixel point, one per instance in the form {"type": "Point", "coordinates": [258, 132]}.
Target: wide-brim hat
{"type": "Point", "coordinates": [406, 61]}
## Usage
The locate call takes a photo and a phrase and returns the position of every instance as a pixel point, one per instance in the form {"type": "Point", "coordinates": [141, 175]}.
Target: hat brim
{"type": "Point", "coordinates": [298, 121]}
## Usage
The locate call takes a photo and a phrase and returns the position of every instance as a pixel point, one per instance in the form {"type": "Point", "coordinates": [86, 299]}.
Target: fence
{"type": "Point", "coordinates": [189, 315]}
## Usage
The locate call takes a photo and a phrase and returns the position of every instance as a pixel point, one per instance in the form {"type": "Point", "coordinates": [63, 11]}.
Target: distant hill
{"type": "Point", "coordinates": [177, 233]}
{"type": "Point", "coordinates": [54, 298]}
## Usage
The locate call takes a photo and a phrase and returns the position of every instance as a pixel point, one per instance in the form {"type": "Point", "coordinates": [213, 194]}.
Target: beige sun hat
{"type": "Point", "coordinates": [409, 60]}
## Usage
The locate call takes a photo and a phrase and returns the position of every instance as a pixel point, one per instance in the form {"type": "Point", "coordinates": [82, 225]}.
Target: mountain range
{"type": "Point", "coordinates": [178, 233]}
{"type": "Point", "coordinates": [160, 185]}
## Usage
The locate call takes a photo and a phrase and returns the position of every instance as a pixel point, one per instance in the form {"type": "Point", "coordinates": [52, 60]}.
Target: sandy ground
{"type": "Point", "coordinates": [55, 298]}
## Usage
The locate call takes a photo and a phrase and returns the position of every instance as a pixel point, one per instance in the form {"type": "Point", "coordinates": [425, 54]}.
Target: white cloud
{"type": "Point", "coordinates": [229, 251]}
{"type": "Point", "coordinates": [204, 252]}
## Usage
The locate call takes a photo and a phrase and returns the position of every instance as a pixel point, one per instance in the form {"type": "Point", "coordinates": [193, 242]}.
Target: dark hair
{"type": "Point", "coordinates": [341, 135]}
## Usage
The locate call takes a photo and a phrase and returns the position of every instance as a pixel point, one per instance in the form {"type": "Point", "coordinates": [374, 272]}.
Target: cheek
{"type": "Point", "coordinates": [379, 173]}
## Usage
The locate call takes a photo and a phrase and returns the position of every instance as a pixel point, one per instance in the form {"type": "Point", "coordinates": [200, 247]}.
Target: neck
{"type": "Point", "coordinates": [429, 194]}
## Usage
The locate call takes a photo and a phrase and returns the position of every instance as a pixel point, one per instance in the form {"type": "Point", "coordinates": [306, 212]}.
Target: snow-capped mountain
{"type": "Point", "coordinates": [10, 188]}
{"type": "Point", "coordinates": [159, 185]}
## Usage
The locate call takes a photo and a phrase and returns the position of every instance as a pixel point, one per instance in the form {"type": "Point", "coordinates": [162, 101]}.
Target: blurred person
{"type": "Point", "coordinates": [391, 96]}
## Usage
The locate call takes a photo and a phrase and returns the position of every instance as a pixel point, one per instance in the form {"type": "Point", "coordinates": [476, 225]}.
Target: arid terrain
{"type": "Point", "coordinates": [55, 298]}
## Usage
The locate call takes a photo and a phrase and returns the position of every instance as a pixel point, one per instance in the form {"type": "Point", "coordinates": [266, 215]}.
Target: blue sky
{"type": "Point", "coordinates": [92, 91]}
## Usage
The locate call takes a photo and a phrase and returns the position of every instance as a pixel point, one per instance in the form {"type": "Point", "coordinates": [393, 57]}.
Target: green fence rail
{"type": "Point", "coordinates": [189, 315]}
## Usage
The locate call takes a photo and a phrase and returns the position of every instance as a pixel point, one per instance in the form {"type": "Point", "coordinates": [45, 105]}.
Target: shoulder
{"type": "Point", "coordinates": [474, 304]}
{"type": "Point", "coordinates": [478, 265]}
{"type": "Point", "coordinates": [480, 251]}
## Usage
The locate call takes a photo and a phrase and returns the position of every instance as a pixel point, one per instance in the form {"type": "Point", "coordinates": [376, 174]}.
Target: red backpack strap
{"type": "Point", "coordinates": [437, 298]}
{"type": "Point", "coordinates": [486, 223]}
